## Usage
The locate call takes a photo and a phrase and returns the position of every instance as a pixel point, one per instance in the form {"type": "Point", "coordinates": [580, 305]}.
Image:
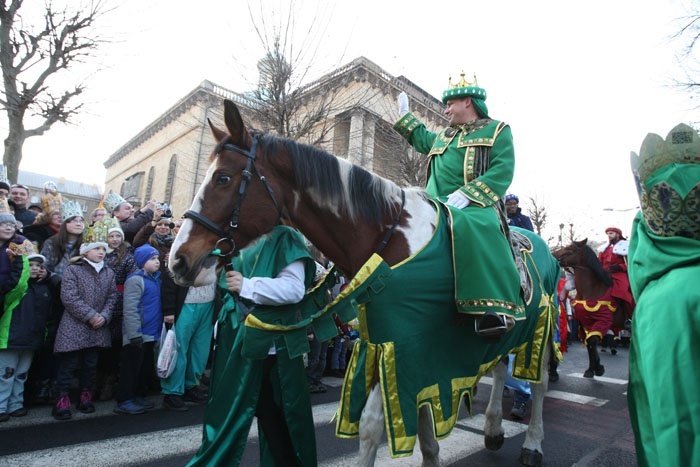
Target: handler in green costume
{"type": "Point", "coordinates": [471, 167]}
{"type": "Point", "coordinates": [664, 267]}
{"type": "Point", "coordinates": [273, 274]}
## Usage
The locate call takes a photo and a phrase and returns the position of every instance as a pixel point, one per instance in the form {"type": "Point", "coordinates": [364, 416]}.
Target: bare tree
{"type": "Point", "coordinates": [538, 215]}
{"type": "Point", "coordinates": [29, 56]}
{"type": "Point", "coordinates": [688, 57]}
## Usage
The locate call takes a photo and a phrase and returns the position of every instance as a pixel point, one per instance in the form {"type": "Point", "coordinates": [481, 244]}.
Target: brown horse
{"type": "Point", "coordinates": [595, 308]}
{"type": "Point", "coordinates": [360, 220]}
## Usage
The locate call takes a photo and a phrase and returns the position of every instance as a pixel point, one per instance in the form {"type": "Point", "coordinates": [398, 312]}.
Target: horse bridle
{"type": "Point", "coordinates": [226, 233]}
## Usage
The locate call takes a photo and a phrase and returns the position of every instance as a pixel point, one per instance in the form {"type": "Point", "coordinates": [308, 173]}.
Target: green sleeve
{"type": "Point", "coordinates": [415, 133]}
{"type": "Point", "coordinates": [490, 187]}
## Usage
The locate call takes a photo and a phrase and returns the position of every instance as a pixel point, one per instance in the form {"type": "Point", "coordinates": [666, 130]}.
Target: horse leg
{"type": "Point", "coordinates": [531, 452]}
{"type": "Point", "coordinates": [371, 428]}
{"type": "Point", "coordinates": [594, 366]}
{"type": "Point", "coordinates": [429, 446]}
{"type": "Point", "coordinates": [493, 428]}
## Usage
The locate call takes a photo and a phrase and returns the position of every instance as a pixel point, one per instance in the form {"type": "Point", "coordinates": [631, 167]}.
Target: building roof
{"type": "Point", "coordinates": [65, 187]}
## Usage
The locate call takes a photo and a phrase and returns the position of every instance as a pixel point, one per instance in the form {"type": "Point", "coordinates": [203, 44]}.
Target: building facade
{"type": "Point", "coordinates": [168, 159]}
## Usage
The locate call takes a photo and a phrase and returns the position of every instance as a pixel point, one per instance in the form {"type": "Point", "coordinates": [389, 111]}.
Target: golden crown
{"type": "Point", "coordinates": [462, 83]}
{"type": "Point", "coordinates": [98, 232]}
{"type": "Point", "coordinates": [668, 194]}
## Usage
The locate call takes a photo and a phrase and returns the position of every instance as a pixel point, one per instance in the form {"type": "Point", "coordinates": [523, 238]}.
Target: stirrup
{"type": "Point", "coordinates": [497, 325]}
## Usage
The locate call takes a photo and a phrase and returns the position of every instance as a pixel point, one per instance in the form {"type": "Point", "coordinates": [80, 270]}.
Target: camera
{"type": "Point", "coordinates": [167, 209]}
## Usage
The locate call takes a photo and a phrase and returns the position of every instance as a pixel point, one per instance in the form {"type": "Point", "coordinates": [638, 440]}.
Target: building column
{"type": "Point", "coordinates": [361, 140]}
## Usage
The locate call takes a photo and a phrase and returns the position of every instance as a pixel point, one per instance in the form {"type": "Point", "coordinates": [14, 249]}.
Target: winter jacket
{"type": "Point", "coordinates": [24, 326]}
{"type": "Point", "coordinates": [143, 317]}
{"type": "Point", "coordinates": [518, 219]}
{"type": "Point", "coordinates": [85, 292]}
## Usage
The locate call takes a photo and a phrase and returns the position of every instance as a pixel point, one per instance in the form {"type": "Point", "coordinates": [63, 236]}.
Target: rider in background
{"type": "Point", "coordinates": [471, 166]}
{"type": "Point", "coordinates": [613, 257]}
{"type": "Point", "coordinates": [516, 218]}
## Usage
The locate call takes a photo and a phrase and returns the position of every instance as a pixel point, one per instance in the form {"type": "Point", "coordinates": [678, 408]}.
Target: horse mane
{"type": "Point", "coordinates": [595, 266]}
{"type": "Point", "coordinates": [335, 183]}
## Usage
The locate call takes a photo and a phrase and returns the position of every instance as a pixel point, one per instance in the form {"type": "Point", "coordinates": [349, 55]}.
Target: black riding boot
{"type": "Point", "coordinates": [594, 366]}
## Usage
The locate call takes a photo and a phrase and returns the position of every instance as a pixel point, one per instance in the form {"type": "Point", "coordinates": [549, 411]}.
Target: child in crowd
{"type": "Point", "coordinates": [143, 321]}
{"type": "Point", "coordinates": [120, 259]}
{"type": "Point", "coordinates": [88, 293]}
{"type": "Point", "coordinates": [22, 325]}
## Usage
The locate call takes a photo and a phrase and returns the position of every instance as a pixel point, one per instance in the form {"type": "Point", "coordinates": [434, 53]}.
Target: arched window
{"type": "Point", "coordinates": [171, 180]}
{"type": "Point", "coordinates": [149, 184]}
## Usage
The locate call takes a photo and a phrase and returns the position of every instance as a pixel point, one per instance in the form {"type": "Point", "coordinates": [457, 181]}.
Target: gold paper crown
{"type": "Point", "coordinates": [25, 248]}
{"type": "Point", "coordinates": [462, 83]}
{"type": "Point", "coordinates": [70, 209]}
{"type": "Point", "coordinates": [669, 199]}
{"type": "Point", "coordinates": [51, 202]}
{"type": "Point", "coordinates": [98, 232]}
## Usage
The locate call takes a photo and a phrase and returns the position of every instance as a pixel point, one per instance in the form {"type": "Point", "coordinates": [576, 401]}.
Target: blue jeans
{"type": "Point", "coordinates": [520, 388]}
{"type": "Point", "coordinates": [340, 350]}
{"type": "Point", "coordinates": [14, 366]}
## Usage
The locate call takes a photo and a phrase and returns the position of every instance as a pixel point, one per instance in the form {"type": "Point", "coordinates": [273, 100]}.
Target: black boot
{"type": "Point", "coordinates": [43, 393]}
{"type": "Point", "coordinates": [553, 374]}
{"type": "Point", "coordinates": [594, 366]}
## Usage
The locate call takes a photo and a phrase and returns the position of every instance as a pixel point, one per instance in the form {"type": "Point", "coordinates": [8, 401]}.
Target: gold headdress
{"type": "Point", "coordinates": [667, 176]}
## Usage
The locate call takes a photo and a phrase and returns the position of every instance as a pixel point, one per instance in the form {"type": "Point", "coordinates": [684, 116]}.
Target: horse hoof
{"type": "Point", "coordinates": [588, 374]}
{"type": "Point", "coordinates": [600, 371]}
{"type": "Point", "coordinates": [494, 443]}
{"type": "Point", "coordinates": [530, 457]}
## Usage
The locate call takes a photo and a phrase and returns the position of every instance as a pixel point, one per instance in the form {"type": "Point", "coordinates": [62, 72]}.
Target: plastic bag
{"type": "Point", "coordinates": [167, 355]}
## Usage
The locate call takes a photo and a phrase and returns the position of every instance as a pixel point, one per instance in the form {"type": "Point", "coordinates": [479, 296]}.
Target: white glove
{"type": "Point", "coordinates": [458, 200]}
{"type": "Point", "coordinates": [403, 103]}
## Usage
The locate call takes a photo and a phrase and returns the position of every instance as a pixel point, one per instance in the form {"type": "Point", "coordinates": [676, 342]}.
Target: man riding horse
{"type": "Point", "coordinates": [471, 167]}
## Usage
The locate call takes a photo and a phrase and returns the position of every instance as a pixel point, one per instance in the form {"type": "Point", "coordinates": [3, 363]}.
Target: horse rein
{"type": "Point", "coordinates": [391, 231]}
{"type": "Point", "coordinates": [226, 235]}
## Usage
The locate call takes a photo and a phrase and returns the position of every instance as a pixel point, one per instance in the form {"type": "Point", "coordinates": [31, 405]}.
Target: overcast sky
{"type": "Point", "coordinates": [580, 83]}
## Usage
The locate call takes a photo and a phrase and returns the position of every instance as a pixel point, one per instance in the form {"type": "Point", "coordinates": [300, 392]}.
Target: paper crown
{"type": "Point", "coordinates": [70, 209]}
{"type": "Point", "coordinates": [112, 202]}
{"type": "Point", "coordinates": [667, 177]}
{"type": "Point", "coordinates": [52, 200]}
{"type": "Point", "coordinates": [462, 88]}
{"type": "Point", "coordinates": [5, 213]}
{"type": "Point", "coordinates": [98, 232]}
{"type": "Point", "coordinates": [25, 248]}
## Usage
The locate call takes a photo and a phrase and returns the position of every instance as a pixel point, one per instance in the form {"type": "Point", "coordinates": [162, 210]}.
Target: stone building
{"type": "Point", "coordinates": [168, 159]}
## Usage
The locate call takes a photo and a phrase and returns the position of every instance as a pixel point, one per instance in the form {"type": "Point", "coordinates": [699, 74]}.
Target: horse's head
{"type": "Point", "coordinates": [234, 205]}
{"type": "Point", "coordinates": [572, 255]}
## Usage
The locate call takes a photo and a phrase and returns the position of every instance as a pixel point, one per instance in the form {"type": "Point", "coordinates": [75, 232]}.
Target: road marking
{"type": "Point", "coordinates": [565, 396]}
{"type": "Point", "coordinates": [578, 398]}
{"type": "Point", "coordinates": [147, 447]}
{"type": "Point", "coordinates": [604, 379]}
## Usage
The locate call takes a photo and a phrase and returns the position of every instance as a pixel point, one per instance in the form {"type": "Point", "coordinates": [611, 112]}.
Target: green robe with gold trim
{"type": "Point", "coordinates": [478, 159]}
{"type": "Point", "coordinates": [236, 377]}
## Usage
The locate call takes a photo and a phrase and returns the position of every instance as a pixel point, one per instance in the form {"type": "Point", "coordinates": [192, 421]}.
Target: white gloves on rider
{"type": "Point", "coordinates": [458, 200]}
{"type": "Point", "coordinates": [403, 103]}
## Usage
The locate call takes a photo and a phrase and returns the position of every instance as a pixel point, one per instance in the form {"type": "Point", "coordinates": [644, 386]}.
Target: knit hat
{"type": "Point", "coordinates": [111, 224]}
{"type": "Point", "coordinates": [36, 257]}
{"type": "Point", "coordinates": [512, 196]}
{"type": "Point", "coordinates": [112, 202]}
{"type": "Point", "coordinates": [464, 88]}
{"type": "Point", "coordinates": [614, 229]}
{"type": "Point", "coordinates": [5, 214]}
{"type": "Point", "coordinates": [143, 253]}
{"type": "Point", "coordinates": [5, 185]}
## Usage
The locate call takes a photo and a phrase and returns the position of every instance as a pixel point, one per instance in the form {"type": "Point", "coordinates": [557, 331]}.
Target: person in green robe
{"type": "Point", "coordinates": [471, 167]}
{"type": "Point", "coordinates": [267, 280]}
{"type": "Point", "coordinates": [664, 267]}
